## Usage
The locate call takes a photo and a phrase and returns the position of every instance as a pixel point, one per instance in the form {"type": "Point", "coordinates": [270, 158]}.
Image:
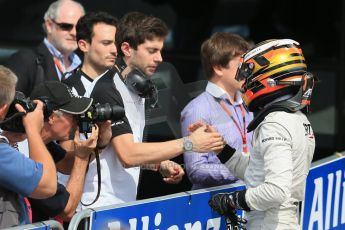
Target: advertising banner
{"type": "Point", "coordinates": [324, 206]}
{"type": "Point", "coordinates": [189, 212]}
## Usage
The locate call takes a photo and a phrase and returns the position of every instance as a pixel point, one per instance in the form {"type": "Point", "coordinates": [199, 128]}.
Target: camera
{"type": "Point", "coordinates": [98, 112]}
{"type": "Point", "coordinates": [13, 119]}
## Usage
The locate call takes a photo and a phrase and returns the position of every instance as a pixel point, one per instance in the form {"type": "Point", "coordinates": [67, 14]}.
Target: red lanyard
{"type": "Point", "coordinates": [59, 66]}
{"type": "Point", "coordinates": [243, 135]}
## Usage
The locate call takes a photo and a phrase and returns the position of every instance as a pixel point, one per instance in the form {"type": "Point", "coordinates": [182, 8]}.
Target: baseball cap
{"type": "Point", "coordinates": [61, 97]}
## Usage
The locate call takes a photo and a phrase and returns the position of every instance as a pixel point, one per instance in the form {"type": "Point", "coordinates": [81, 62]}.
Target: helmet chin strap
{"type": "Point", "coordinates": [288, 103]}
{"type": "Point", "coordinates": [303, 96]}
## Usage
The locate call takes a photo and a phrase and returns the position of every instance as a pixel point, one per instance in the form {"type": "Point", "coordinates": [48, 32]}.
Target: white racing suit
{"type": "Point", "coordinates": [276, 170]}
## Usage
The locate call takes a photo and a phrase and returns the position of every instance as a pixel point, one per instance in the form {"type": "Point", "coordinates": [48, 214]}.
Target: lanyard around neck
{"type": "Point", "coordinates": [59, 65]}
{"type": "Point", "coordinates": [243, 134]}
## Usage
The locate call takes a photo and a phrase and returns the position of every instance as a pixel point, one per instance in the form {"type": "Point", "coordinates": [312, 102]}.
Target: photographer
{"type": "Point", "coordinates": [96, 39]}
{"type": "Point", "coordinates": [21, 176]}
{"type": "Point", "coordinates": [61, 110]}
{"type": "Point", "coordinates": [58, 127]}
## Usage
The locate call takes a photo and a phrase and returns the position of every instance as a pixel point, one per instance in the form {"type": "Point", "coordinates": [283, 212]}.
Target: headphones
{"type": "Point", "coordinates": [138, 82]}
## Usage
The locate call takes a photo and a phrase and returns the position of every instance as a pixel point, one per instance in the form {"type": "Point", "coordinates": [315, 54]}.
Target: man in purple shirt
{"type": "Point", "coordinates": [220, 106]}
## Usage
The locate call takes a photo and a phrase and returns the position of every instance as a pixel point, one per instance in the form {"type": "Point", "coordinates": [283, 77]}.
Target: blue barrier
{"type": "Point", "coordinates": [324, 205]}
{"type": "Point", "coordinates": [188, 210]}
{"type": "Point", "coordinates": [44, 225]}
{"type": "Point", "coordinates": [323, 208]}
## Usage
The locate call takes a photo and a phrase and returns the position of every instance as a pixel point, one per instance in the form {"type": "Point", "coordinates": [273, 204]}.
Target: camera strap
{"type": "Point", "coordinates": [18, 114]}
{"type": "Point", "coordinates": [98, 164]}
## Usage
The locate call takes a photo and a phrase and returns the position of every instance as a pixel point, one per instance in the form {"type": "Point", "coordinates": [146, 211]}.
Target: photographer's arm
{"type": "Point", "coordinates": [33, 123]}
{"type": "Point", "coordinates": [132, 154]}
{"type": "Point", "coordinates": [65, 165]}
{"type": "Point", "coordinates": [75, 184]}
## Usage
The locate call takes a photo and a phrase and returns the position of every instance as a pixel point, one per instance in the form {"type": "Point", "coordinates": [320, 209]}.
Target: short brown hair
{"type": "Point", "coordinates": [220, 48]}
{"type": "Point", "coordinates": [136, 27]}
{"type": "Point", "coordinates": [8, 81]}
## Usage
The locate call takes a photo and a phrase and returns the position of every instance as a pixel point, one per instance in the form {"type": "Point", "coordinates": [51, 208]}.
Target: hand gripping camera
{"type": "Point", "coordinates": [13, 119]}
{"type": "Point", "coordinates": [97, 113]}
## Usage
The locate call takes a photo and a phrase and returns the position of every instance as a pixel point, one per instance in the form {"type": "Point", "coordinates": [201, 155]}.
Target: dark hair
{"type": "Point", "coordinates": [136, 27]}
{"type": "Point", "coordinates": [219, 49]}
{"type": "Point", "coordinates": [89, 20]}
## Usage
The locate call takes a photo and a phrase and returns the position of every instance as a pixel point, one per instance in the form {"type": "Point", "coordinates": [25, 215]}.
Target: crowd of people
{"type": "Point", "coordinates": [248, 124]}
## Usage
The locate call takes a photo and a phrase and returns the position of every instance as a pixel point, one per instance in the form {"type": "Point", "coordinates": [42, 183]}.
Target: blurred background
{"type": "Point", "coordinates": [319, 26]}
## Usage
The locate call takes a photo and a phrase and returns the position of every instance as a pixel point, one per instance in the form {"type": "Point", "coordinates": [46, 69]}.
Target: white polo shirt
{"type": "Point", "coordinates": [118, 184]}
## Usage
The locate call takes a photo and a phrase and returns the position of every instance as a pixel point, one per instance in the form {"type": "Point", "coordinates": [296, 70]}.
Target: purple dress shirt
{"type": "Point", "coordinates": [204, 169]}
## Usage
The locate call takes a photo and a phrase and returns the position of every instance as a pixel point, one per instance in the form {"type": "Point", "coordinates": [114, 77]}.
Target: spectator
{"type": "Point", "coordinates": [21, 176]}
{"type": "Point", "coordinates": [141, 41]}
{"type": "Point", "coordinates": [61, 123]}
{"type": "Point", "coordinates": [221, 106]}
{"type": "Point", "coordinates": [277, 87]}
{"type": "Point", "coordinates": [55, 55]}
{"type": "Point", "coordinates": [96, 40]}
{"type": "Point", "coordinates": [61, 111]}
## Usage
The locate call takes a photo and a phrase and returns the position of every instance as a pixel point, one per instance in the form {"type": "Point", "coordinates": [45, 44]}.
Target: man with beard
{"type": "Point", "coordinates": [54, 56]}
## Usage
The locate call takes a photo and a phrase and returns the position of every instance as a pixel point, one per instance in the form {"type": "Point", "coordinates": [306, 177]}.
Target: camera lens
{"type": "Point", "coordinates": [108, 112]}
{"type": "Point", "coordinates": [97, 113]}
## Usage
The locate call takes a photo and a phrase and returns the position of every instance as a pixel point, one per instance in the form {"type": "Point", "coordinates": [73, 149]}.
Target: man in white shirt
{"type": "Point", "coordinates": [125, 152]}
{"type": "Point", "coordinates": [277, 88]}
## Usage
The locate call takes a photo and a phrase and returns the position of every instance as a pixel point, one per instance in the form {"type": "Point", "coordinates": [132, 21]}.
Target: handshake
{"type": "Point", "coordinates": [203, 138]}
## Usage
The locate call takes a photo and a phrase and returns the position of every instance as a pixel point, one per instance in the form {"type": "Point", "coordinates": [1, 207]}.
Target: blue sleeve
{"type": "Point", "coordinates": [202, 168]}
{"type": "Point", "coordinates": [17, 172]}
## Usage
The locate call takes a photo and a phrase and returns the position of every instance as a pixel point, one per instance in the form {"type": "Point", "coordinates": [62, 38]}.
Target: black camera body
{"type": "Point", "coordinates": [13, 119]}
{"type": "Point", "coordinates": [98, 112]}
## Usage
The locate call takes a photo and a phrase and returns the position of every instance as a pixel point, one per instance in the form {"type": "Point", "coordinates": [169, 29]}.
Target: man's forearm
{"type": "Point", "coordinates": [39, 153]}
{"type": "Point", "coordinates": [75, 187]}
{"type": "Point", "coordinates": [135, 154]}
{"type": "Point", "coordinates": [65, 165]}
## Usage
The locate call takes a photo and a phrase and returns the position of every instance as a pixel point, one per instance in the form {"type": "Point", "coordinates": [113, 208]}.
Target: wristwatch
{"type": "Point", "coordinates": [187, 144]}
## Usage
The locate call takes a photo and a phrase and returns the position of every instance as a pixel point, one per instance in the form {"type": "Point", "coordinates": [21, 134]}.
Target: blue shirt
{"type": "Point", "coordinates": [19, 174]}
{"type": "Point", "coordinates": [205, 169]}
{"type": "Point", "coordinates": [74, 59]}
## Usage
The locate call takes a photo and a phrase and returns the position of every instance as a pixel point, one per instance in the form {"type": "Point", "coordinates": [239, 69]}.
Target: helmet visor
{"type": "Point", "coordinates": [244, 71]}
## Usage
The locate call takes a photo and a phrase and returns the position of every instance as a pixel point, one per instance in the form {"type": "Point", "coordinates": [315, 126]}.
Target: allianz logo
{"type": "Point", "coordinates": [328, 205]}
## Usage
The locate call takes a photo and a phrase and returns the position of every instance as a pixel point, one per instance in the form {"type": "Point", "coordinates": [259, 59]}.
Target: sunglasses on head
{"type": "Point", "coordinates": [63, 25]}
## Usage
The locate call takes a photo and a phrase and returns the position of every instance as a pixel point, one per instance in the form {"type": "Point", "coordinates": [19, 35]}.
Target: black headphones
{"type": "Point", "coordinates": [138, 82]}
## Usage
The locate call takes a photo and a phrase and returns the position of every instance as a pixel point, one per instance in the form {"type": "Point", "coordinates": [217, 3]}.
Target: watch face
{"type": "Point", "coordinates": [188, 145]}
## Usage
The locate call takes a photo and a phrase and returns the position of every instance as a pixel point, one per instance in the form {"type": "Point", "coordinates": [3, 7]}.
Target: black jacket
{"type": "Point", "coordinates": [32, 66]}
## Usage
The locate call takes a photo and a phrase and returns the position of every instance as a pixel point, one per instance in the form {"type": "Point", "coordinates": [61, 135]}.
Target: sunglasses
{"type": "Point", "coordinates": [63, 25]}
